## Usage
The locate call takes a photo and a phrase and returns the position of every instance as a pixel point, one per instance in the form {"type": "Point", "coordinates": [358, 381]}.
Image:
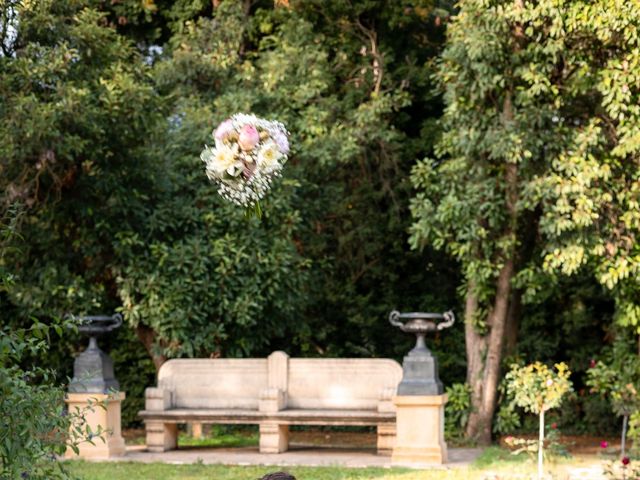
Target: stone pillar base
{"type": "Point", "coordinates": [161, 436]}
{"type": "Point", "coordinates": [99, 411]}
{"type": "Point", "coordinates": [419, 430]}
{"type": "Point", "coordinates": [386, 438]}
{"type": "Point", "coordinates": [274, 438]}
{"type": "Point", "coordinates": [196, 430]}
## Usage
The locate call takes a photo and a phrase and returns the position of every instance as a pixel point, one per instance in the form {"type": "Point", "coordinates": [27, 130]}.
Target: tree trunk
{"type": "Point", "coordinates": [146, 335]}
{"type": "Point", "coordinates": [494, 354]}
{"type": "Point", "coordinates": [513, 323]}
{"type": "Point", "coordinates": [623, 440]}
{"type": "Point", "coordinates": [476, 345]}
{"type": "Point", "coordinates": [485, 393]}
{"type": "Point", "coordinates": [541, 445]}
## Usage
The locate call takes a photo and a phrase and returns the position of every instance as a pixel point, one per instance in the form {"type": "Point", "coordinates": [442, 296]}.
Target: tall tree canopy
{"type": "Point", "coordinates": [105, 106]}
{"type": "Point", "coordinates": [537, 170]}
{"type": "Point", "coordinates": [131, 222]}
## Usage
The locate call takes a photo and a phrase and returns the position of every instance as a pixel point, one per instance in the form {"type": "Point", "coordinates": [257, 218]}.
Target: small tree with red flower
{"type": "Point", "coordinates": [537, 388]}
{"type": "Point", "coordinates": [617, 377]}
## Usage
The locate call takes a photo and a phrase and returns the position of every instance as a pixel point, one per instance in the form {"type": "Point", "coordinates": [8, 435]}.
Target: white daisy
{"type": "Point", "coordinates": [268, 156]}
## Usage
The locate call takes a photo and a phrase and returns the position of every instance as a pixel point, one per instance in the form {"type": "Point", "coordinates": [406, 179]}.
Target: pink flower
{"type": "Point", "coordinates": [604, 444]}
{"type": "Point", "coordinates": [249, 137]}
{"type": "Point", "coordinates": [282, 142]}
{"type": "Point", "coordinates": [223, 130]}
{"type": "Point", "coordinates": [554, 425]}
{"type": "Point", "coordinates": [625, 461]}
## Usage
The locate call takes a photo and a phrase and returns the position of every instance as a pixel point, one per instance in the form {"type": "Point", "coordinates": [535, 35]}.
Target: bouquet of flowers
{"type": "Point", "coordinates": [249, 153]}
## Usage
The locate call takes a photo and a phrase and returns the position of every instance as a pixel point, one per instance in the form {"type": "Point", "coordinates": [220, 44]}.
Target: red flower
{"type": "Point", "coordinates": [554, 425]}
{"type": "Point", "coordinates": [625, 461]}
{"type": "Point", "coordinates": [604, 444]}
{"type": "Point", "coordinates": [592, 363]}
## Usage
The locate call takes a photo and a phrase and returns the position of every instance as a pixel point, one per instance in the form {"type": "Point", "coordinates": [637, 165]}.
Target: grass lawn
{"type": "Point", "coordinates": [138, 471]}
{"type": "Point", "coordinates": [493, 462]}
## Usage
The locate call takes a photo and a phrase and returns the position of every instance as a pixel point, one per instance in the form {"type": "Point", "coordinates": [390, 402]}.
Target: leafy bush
{"type": "Point", "coordinates": [617, 377]}
{"type": "Point", "coordinates": [34, 425]}
{"type": "Point", "coordinates": [457, 410]}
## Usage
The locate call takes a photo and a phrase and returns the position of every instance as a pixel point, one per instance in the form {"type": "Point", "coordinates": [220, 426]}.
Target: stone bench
{"type": "Point", "coordinates": [273, 392]}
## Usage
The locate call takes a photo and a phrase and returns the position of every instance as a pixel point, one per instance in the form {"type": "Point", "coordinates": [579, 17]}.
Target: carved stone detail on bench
{"type": "Point", "coordinates": [273, 392]}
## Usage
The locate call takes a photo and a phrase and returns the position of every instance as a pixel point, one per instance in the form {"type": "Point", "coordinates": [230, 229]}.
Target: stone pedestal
{"type": "Point", "coordinates": [99, 411]}
{"type": "Point", "coordinates": [420, 374]}
{"type": "Point", "coordinates": [419, 430]}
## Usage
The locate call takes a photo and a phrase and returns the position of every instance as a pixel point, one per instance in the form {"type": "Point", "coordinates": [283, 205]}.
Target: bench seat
{"type": "Point", "coordinates": [333, 417]}
{"type": "Point", "coordinates": [203, 415]}
{"type": "Point", "coordinates": [291, 417]}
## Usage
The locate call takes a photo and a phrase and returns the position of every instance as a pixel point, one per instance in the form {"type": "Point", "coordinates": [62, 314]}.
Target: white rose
{"type": "Point", "coordinates": [223, 159]}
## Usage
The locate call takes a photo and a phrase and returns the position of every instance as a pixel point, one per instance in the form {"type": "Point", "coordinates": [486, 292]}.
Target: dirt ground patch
{"type": "Point", "coordinates": [575, 444]}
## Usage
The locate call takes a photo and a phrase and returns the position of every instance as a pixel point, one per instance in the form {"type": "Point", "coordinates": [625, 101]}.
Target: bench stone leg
{"type": "Point", "coordinates": [161, 436]}
{"type": "Point", "coordinates": [196, 430]}
{"type": "Point", "coordinates": [274, 438]}
{"type": "Point", "coordinates": [386, 438]}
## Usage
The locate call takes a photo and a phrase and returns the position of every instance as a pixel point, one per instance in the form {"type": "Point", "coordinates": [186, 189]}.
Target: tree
{"type": "Point", "coordinates": [340, 208]}
{"type": "Point", "coordinates": [77, 105]}
{"type": "Point", "coordinates": [538, 388]}
{"type": "Point", "coordinates": [121, 216]}
{"type": "Point", "coordinates": [537, 164]}
{"type": "Point", "coordinates": [617, 376]}
{"type": "Point", "coordinates": [35, 426]}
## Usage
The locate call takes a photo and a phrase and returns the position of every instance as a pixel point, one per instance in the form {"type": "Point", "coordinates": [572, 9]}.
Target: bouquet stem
{"type": "Point", "coordinates": [256, 211]}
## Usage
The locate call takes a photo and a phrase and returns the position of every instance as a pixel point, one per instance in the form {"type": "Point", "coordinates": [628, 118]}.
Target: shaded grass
{"type": "Point", "coordinates": [222, 436]}
{"type": "Point", "coordinates": [500, 457]}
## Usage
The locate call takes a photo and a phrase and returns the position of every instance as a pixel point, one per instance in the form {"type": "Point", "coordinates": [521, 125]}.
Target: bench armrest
{"type": "Point", "coordinates": [157, 399]}
{"type": "Point", "coordinates": [272, 400]}
{"type": "Point", "coordinates": [385, 402]}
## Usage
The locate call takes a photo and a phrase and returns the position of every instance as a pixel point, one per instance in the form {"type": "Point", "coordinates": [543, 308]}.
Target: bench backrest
{"type": "Point", "coordinates": [310, 383]}
{"type": "Point", "coordinates": [340, 383]}
{"type": "Point", "coordinates": [227, 383]}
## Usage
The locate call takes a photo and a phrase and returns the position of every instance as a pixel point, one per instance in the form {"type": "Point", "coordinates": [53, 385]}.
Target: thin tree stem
{"type": "Point", "coordinates": [625, 420]}
{"type": "Point", "coordinates": [540, 444]}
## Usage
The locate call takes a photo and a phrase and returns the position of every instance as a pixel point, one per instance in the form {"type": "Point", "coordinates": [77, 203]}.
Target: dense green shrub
{"type": "Point", "coordinates": [457, 410]}
{"type": "Point", "coordinates": [616, 376]}
{"type": "Point", "coordinates": [34, 424]}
